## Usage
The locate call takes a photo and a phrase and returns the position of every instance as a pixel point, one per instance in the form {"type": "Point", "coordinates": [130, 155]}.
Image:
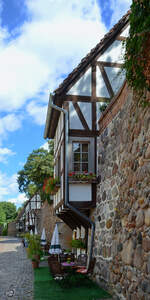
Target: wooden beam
{"type": "Point", "coordinates": [109, 64]}
{"type": "Point", "coordinates": [76, 98]}
{"type": "Point", "coordinates": [106, 80]}
{"type": "Point", "coordinates": [94, 96]}
{"type": "Point", "coordinates": [83, 133]}
{"type": "Point", "coordinates": [80, 115]}
{"type": "Point", "coordinates": [120, 38]}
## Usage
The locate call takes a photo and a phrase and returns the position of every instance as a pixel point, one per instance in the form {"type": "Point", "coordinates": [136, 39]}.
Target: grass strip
{"type": "Point", "coordinates": [46, 288]}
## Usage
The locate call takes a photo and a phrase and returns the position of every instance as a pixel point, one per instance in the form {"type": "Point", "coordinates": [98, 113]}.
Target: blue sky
{"type": "Point", "coordinates": [40, 43]}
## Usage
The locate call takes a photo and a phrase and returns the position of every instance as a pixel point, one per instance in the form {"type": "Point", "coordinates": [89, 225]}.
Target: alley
{"type": "Point", "coordinates": [16, 274]}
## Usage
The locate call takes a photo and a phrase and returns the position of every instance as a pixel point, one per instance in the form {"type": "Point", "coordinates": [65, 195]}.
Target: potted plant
{"type": "Point", "coordinates": [51, 185]}
{"type": "Point", "coordinates": [34, 250]}
{"type": "Point", "coordinates": [78, 243]}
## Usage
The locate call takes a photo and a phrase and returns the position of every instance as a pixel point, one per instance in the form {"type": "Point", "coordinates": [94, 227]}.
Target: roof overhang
{"type": "Point", "coordinates": [53, 115]}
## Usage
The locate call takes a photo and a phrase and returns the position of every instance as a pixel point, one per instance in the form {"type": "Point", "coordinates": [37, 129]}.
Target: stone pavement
{"type": "Point", "coordinates": [16, 274]}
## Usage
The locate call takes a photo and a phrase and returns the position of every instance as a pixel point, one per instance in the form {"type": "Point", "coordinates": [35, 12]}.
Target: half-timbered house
{"type": "Point", "coordinates": [72, 121]}
{"type": "Point", "coordinates": [28, 217]}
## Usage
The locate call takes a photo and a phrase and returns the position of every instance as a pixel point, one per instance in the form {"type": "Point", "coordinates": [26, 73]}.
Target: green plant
{"type": "Point", "coordinates": [50, 185]}
{"type": "Point", "coordinates": [78, 243]}
{"type": "Point", "coordinates": [34, 248]}
{"type": "Point", "coordinates": [5, 231]}
{"type": "Point", "coordinates": [137, 46]}
{"type": "Point", "coordinates": [103, 107]}
{"type": "Point", "coordinates": [82, 176]}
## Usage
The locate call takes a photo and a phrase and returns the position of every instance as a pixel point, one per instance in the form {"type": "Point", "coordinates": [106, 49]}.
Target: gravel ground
{"type": "Point", "coordinates": [16, 274]}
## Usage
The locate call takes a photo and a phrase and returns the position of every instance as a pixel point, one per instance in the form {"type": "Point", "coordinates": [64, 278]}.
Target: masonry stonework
{"type": "Point", "coordinates": [47, 219]}
{"type": "Point", "coordinates": [122, 214]}
{"type": "Point", "coordinates": [12, 229]}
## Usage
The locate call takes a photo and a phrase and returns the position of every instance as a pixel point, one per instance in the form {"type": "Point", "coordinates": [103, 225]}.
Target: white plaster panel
{"type": "Point", "coordinates": [125, 33]}
{"type": "Point", "coordinates": [80, 192]}
{"type": "Point", "coordinates": [101, 90]}
{"type": "Point", "coordinates": [78, 232]}
{"type": "Point", "coordinates": [83, 86]}
{"type": "Point", "coordinates": [75, 122]}
{"type": "Point", "coordinates": [114, 53]}
{"type": "Point", "coordinates": [86, 111]}
{"type": "Point", "coordinates": [116, 77]}
{"type": "Point", "coordinates": [82, 232]}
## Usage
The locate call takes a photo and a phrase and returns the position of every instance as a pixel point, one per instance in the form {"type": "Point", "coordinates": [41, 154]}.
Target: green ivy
{"type": "Point", "coordinates": [139, 34]}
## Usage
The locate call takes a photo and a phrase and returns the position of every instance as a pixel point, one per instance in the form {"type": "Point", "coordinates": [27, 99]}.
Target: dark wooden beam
{"type": "Point", "coordinates": [106, 80]}
{"type": "Point", "coordinates": [121, 38]}
{"type": "Point", "coordinates": [94, 96]}
{"type": "Point", "coordinates": [83, 133]}
{"type": "Point", "coordinates": [88, 99]}
{"type": "Point", "coordinates": [80, 115]}
{"type": "Point", "coordinates": [109, 64]}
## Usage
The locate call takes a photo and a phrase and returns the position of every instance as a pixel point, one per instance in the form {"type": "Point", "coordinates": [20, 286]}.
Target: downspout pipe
{"type": "Point", "coordinates": [67, 204]}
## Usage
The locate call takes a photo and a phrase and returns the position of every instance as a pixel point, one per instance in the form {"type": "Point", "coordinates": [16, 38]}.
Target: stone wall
{"type": "Point", "coordinates": [12, 229]}
{"type": "Point", "coordinates": [122, 214]}
{"type": "Point", "coordinates": [47, 220]}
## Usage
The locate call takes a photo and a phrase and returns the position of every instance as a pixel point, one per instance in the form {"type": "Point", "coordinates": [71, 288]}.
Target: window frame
{"type": "Point", "coordinates": [81, 162]}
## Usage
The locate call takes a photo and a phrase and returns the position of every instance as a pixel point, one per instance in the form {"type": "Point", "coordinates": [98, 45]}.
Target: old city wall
{"type": "Point", "coordinates": [122, 215]}
{"type": "Point", "coordinates": [47, 220]}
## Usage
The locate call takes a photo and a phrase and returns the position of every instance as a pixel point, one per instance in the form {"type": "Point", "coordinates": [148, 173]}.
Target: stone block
{"type": "Point", "coordinates": [140, 218]}
{"type": "Point", "coordinates": [147, 217]}
{"type": "Point", "coordinates": [127, 253]}
{"type": "Point", "coordinates": [146, 244]}
{"type": "Point", "coordinates": [138, 257]}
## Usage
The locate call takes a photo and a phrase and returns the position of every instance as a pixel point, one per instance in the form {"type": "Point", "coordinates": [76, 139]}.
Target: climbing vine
{"type": "Point", "coordinates": [137, 47]}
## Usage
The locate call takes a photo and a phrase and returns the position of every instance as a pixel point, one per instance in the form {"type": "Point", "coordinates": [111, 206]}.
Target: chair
{"type": "Point", "coordinates": [88, 270]}
{"type": "Point", "coordinates": [82, 260]}
{"type": "Point", "coordinates": [56, 269]}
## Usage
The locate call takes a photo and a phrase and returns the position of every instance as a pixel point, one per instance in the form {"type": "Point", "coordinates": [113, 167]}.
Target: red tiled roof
{"type": "Point", "coordinates": [93, 53]}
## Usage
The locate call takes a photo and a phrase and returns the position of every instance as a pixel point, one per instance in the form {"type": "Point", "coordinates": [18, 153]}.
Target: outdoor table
{"type": "Point", "coordinates": [68, 264]}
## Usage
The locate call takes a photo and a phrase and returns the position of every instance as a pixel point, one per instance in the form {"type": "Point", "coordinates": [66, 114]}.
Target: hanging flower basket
{"type": "Point", "coordinates": [51, 185]}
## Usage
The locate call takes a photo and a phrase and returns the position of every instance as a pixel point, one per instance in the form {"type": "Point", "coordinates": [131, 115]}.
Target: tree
{"type": "Point", "coordinates": [8, 210]}
{"type": "Point", "coordinates": [38, 167]}
{"type": "Point", "coordinates": [2, 216]}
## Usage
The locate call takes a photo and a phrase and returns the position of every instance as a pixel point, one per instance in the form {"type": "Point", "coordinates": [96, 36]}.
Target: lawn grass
{"type": "Point", "coordinates": [46, 288]}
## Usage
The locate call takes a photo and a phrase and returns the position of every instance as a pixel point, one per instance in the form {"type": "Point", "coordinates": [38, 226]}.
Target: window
{"type": "Point", "coordinates": [80, 157]}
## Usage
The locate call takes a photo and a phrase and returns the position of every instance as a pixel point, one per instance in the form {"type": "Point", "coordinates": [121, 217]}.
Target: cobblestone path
{"type": "Point", "coordinates": [16, 274]}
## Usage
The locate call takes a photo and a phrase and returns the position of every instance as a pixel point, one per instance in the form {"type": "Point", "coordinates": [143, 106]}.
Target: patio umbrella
{"type": "Point", "coordinates": [55, 245]}
{"type": "Point", "coordinates": [35, 231]}
{"type": "Point", "coordinates": [43, 238]}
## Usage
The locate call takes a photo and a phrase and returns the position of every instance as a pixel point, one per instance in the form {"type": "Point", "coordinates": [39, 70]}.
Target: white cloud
{"type": "Point", "coordinates": [5, 153]}
{"type": "Point", "coordinates": [18, 200]}
{"type": "Point", "coordinates": [119, 8]}
{"type": "Point", "coordinates": [9, 123]}
{"type": "Point", "coordinates": [8, 185]}
{"type": "Point", "coordinates": [37, 112]}
{"type": "Point", "coordinates": [45, 146]}
{"type": "Point", "coordinates": [57, 36]}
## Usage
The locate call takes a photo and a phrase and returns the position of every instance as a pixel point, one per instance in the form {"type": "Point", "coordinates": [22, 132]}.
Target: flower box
{"type": "Point", "coordinates": [82, 177]}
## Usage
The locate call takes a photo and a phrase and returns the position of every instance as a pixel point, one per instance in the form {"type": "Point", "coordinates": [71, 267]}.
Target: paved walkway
{"type": "Point", "coordinates": [16, 274]}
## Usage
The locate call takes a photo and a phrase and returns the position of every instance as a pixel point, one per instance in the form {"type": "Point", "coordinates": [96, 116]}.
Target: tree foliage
{"type": "Point", "coordinates": [7, 212]}
{"type": "Point", "coordinates": [2, 216]}
{"type": "Point", "coordinates": [39, 165]}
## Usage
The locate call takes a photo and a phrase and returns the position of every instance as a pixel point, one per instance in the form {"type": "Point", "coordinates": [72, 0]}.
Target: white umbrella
{"type": "Point", "coordinates": [55, 245]}
{"type": "Point", "coordinates": [31, 232]}
{"type": "Point", "coordinates": [43, 238]}
{"type": "Point", "coordinates": [35, 231]}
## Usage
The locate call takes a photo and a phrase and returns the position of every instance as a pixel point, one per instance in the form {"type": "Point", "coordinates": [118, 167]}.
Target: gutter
{"type": "Point", "coordinates": [74, 209]}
